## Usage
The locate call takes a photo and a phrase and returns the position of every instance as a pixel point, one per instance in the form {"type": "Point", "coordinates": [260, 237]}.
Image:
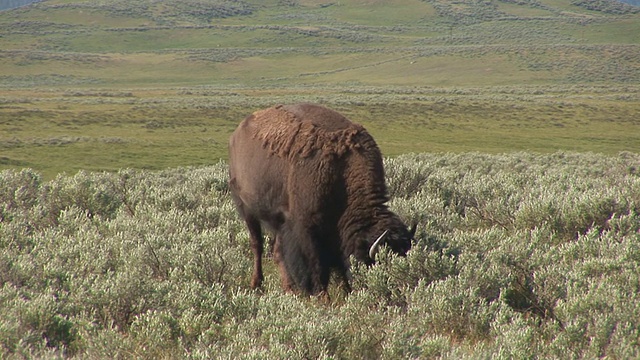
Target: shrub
{"type": "Point", "coordinates": [516, 256]}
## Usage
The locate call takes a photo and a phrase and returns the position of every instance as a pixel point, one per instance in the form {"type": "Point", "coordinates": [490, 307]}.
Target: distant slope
{"type": "Point", "coordinates": [608, 6]}
{"type": "Point", "coordinates": [281, 43]}
{"type": "Point", "coordinates": [632, 2]}
{"type": "Point", "coordinates": [11, 4]}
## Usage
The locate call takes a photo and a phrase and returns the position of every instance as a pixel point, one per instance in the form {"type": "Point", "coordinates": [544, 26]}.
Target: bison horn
{"type": "Point", "coordinates": [374, 247]}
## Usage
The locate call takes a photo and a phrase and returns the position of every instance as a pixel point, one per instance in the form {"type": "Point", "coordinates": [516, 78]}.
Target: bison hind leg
{"type": "Point", "coordinates": [257, 247]}
{"type": "Point", "coordinates": [255, 235]}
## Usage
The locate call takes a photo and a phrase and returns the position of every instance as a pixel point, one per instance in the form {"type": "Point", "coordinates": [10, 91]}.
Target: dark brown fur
{"type": "Point", "coordinates": [316, 180]}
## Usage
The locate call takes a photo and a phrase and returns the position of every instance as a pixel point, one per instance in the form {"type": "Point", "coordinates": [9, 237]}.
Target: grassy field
{"type": "Point", "coordinates": [105, 85]}
{"type": "Point", "coordinates": [54, 131]}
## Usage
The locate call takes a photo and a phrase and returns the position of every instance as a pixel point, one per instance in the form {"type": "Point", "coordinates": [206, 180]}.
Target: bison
{"type": "Point", "coordinates": [316, 181]}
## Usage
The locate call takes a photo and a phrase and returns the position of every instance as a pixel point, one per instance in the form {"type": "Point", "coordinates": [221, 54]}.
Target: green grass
{"type": "Point", "coordinates": [621, 32]}
{"type": "Point", "coordinates": [108, 137]}
{"type": "Point", "coordinates": [383, 13]}
{"type": "Point", "coordinates": [78, 92]}
{"type": "Point", "coordinates": [56, 132]}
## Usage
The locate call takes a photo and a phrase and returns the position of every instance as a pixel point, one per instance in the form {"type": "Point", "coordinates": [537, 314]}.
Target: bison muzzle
{"type": "Point", "coordinates": [316, 181]}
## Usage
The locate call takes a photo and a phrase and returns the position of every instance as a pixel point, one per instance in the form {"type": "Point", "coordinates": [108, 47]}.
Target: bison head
{"type": "Point", "coordinates": [395, 236]}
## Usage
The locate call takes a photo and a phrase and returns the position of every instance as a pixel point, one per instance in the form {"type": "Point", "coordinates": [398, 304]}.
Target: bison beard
{"type": "Point", "coordinates": [316, 180]}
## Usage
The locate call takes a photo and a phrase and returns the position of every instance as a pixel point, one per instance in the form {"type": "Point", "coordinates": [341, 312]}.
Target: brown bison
{"type": "Point", "coordinates": [316, 180]}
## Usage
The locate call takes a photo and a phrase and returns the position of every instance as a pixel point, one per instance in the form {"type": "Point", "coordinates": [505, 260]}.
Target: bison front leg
{"type": "Point", "coordinates": [300, 259]}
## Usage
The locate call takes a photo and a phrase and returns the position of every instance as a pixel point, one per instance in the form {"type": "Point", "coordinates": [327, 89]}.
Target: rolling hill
{"type": "Point", "coordinates": [401, 42]}
{"type": "Point", "coordinates": [102, 85]}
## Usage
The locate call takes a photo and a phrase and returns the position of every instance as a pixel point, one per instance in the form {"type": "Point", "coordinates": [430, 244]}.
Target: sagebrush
{"type": "Point", "coordinates": [517, 256]}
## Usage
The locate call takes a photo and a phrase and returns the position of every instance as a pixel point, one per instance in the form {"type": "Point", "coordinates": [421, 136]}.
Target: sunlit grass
{"type": "Point", "coordinates": [137, 85]}
{"type": "Point", "coordinates": [109, 129]}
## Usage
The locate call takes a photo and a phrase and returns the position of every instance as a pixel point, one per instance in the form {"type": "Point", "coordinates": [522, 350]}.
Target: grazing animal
{"type": "Point", "coordinates": [316, 180]}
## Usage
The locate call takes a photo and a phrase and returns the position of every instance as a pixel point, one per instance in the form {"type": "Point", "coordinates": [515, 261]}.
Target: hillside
{"type": "Point", "coordinates": [631, 2]}
{"type": "Point", "coordinates": [11, 4]}
{"type": "Point", "coordinates": [401, 42]}
{"type": "Point", "coordinates": [101, 85]}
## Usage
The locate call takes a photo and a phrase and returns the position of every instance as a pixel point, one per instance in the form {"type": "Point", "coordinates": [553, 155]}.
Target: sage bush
{"type": "Point", "coordinates": [516, 256]}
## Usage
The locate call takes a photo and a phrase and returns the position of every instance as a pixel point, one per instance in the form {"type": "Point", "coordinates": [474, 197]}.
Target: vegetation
{"type": "Point", "coordinates": [612, 7]}
{"type": "Point", "coordinates": [10, 4]}
{"type": "Point", "coordinates": [517, 256]}
{"type": "Point", "coordinates": [524, 179]}
{"type": "Point", "coordinates": [56, 131]}
{"type": "Point", "coordinates": [104, 85]}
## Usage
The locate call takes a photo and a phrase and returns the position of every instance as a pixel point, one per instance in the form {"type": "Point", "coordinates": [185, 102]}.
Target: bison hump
{"type": "Point", "coordinates": [306, 130]}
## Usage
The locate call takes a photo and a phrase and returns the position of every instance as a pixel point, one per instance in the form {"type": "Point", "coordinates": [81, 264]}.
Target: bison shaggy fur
{"type": "Point", "coordinates": [316, 181]}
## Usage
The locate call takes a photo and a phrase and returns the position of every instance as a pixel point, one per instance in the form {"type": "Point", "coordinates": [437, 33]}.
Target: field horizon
{"type": "Point", "coordinates": [86, 84]}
